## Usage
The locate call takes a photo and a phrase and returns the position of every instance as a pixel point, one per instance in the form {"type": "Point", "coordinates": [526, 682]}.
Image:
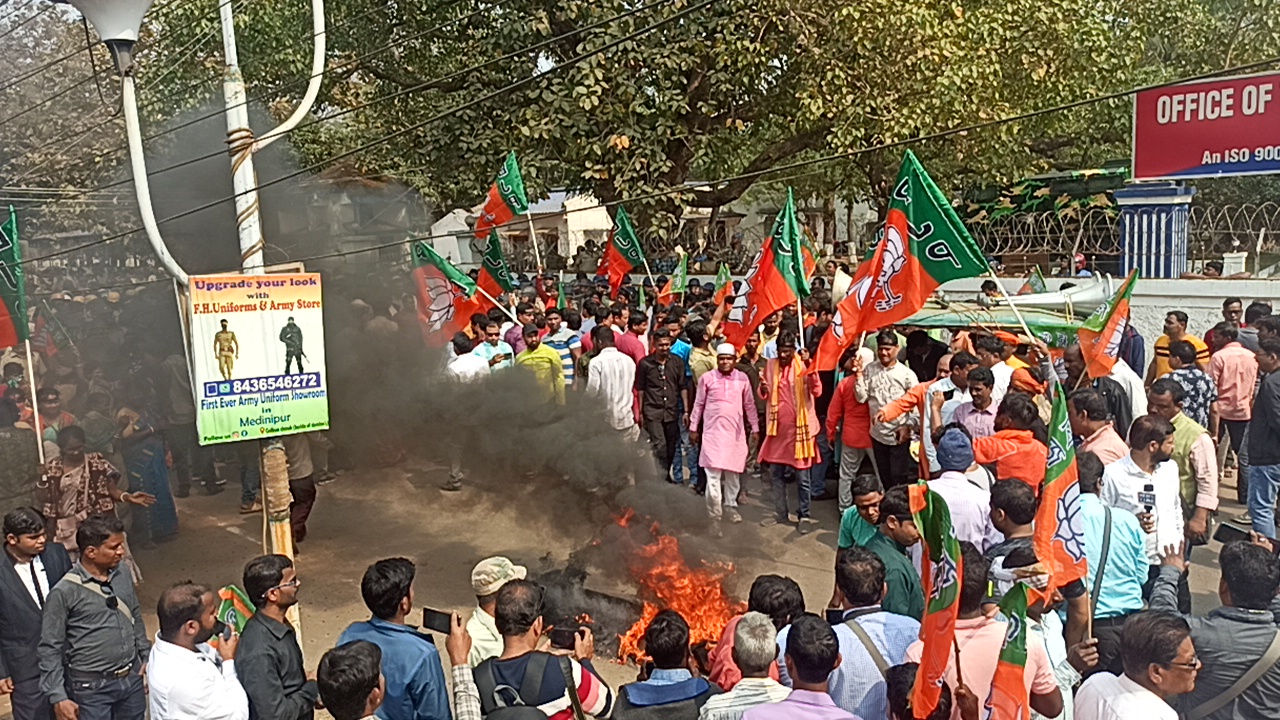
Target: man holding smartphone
{"type": "Point", "coordinates": [186, 677]}
{"type": "Point", "coordinates": [416, 687]}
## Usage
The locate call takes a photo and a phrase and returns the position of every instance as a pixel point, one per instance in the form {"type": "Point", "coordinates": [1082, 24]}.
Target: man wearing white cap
{"type": "Point", "coordinates": [487, 578]}
{"type": "Point", "coordinates": [723, 406]}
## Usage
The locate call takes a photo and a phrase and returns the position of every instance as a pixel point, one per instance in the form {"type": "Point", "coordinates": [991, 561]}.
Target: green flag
{"type": "Point", "coordinates": [13, 295]}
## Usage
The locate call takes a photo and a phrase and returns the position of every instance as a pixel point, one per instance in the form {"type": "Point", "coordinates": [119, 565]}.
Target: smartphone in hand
{"type": "Point", "coordinates": [436, 621]}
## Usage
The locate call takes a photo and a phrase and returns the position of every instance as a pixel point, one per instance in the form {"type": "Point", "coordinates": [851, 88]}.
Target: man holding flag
{"type": "Point", "coordinates": [791, 428]}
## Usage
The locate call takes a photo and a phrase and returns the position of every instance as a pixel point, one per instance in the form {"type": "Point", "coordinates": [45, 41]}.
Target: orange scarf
{"type": "Point", "coordinates": [806, 444]}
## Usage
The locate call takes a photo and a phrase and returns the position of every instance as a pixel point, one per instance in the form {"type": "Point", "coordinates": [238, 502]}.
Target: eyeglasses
{"type": "Point", "coordinates": [1195, 664]}
{"type": "Point", "coordinates": [292, 583]}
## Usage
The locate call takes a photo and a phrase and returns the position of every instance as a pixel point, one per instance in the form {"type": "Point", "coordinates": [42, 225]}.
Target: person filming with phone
{"type": "Point", "coordinates": [416, 687]}
{"type": "Point", "coordinates": [187, 677]}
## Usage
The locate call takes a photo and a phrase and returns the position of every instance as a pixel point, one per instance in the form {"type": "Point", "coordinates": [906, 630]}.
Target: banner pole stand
{"type": "Point", "coordinates": [35, 405]}
{"type": "Point", "coordinates": [533, 238]}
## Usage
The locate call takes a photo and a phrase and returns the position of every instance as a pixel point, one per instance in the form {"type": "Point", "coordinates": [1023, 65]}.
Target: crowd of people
{"type": "Point", "coordinates": [965, 411]}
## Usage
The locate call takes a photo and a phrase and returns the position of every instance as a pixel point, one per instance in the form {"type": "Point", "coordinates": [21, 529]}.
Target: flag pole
{"type": "Point", "coordinates": [35, 404]}
{"type": "Point", "coordinates": [1016, 312]}
{"type": "Point", "coordinates": [649, 273]}
{"type": "Point", "coordinates": [497, 304]}
{"type": "Point", "coordinates": [533, 238]}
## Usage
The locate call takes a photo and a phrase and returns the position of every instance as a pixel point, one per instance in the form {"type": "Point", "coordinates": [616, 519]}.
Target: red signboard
{"type": "Point", "coordinates": [1212, 128]}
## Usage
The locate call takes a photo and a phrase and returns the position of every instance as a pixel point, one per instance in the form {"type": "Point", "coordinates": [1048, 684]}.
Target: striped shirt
{"type": "Point", "coordinates": [748, 693]}
{"type": "Point", "coordinates": [565, 341]}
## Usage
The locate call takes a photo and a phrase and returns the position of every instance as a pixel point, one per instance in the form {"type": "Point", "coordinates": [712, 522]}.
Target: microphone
{"type": "Point", "coordinates": [1147, 498]}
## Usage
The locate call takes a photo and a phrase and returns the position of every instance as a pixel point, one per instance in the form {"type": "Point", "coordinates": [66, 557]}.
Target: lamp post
{"type": "Point", "coordinates": [118, 23]}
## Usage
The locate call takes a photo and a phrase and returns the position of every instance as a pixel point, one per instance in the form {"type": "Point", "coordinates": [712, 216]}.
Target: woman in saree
{"type": "Point", "coordinates": [144, 460]}
{"type": "Point", "coordinates": [78, 484]}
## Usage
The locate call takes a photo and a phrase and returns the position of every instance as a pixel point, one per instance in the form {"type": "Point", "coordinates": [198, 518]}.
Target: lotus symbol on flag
{"type": "Point", "coordinates": [1070, 526]}
{"type": "Point", "coordinates": [440, 293]}
{"type": "Point", "coordinates": [1113, 342]}
{"type": "Point", "coordinates": [944, 575]}
{"type": "Point", "coordinates": [892, 262]}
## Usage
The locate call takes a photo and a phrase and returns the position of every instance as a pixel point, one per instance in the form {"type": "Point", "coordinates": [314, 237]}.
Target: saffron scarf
{"type": "Point", "coordinates": [806, 444]}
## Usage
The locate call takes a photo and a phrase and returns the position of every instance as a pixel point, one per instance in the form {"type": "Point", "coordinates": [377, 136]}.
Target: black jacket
{"type": "Point", "coordinates": [1264, 428]}
{"type": "Point", "coordinates": [20, 618]}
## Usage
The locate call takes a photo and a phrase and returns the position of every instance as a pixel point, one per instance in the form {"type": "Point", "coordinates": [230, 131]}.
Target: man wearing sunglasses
{"type": "Point", "coordinates": [269, 661]}
{"type": "Point", "coordinates": [93, 644]}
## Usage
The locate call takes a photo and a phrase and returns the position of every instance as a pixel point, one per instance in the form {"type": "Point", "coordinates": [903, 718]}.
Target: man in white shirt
{"type": "Point", "coordinates": [990, 351]}
{"type": "Point", "coordinates": [487, 578]}
{"type": "Point", "coordinates": [466, 367]}
{"type": "Point", "coordinates": [1145, 482]}
{"type": "Point", "coordinates": [970, 505]}
{"type": "Point", "coordinates": [1159, 663]}
{"type": "Point", "coordinates": [188, 679]}
{"type": "Point", "coordinates": [1133, 386]}
{"type": "Point", "coordinates": [610, 378]}
{"type": "Point", "coordinates": [878, 385]}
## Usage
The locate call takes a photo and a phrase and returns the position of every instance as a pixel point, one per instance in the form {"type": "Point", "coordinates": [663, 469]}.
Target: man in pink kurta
{"type": "Point", "coordinates": [791, 428]}
{"type": "Point", "coordinates": [723, 409]}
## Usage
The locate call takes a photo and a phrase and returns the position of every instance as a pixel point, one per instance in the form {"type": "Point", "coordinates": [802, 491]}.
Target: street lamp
{"type": "Point", "coordinates": [118, 23]}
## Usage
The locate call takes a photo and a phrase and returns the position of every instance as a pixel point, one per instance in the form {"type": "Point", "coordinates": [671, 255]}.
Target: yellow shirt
{"type": "Point", "coordinates": [548, 369]}
{"type": "Point", "coordinates": [1162, 353]}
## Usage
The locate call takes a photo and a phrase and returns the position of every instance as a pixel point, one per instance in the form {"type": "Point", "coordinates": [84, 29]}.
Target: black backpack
{"type": "Point", "coordinates": [503, 702]}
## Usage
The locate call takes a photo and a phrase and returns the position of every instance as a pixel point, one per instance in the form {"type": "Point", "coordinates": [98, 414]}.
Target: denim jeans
{"type": "Point", "coordinates": [680, 453]}
{"type": "Point", "coordinates": [1264, 483]}
{"type": "Point", "coordinates": [114, 699]}
{"type": "Point", "coordinates": [780, 491]}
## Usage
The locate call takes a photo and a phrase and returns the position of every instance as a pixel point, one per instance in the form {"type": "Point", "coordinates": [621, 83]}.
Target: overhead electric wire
{"type": "Point", "coordinates": [391, 96]}
{"type": "Point", "coordinates": [23, 23]}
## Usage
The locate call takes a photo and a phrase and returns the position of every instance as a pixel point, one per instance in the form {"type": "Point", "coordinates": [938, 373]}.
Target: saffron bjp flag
{"type": "Point", "coordinates": [446, 296]}
{"type": "Point", "coordinates": [1101, 333]}
{"type": "Point", "coordinates": [677, 283]}
{"type": "Point", "coordinates": [922, 245]}
{"type": "Point", "coordinates": [1035, 283]}
{"type": "Point", "coordinates": [13, 291]}
{"type": "Point", "coordinates": [506, 198]}
{"type": "Point", "coordinates": [1059, 529]}
{"type": "Point", "coordinates": [1009, 699]}
{"type": "Point", "coordinates": [622, 254]}
{"type": "Point", "coordinates": [776, 278]}
{"type": "Point", "coordinates": [724, 285]}
{"type": "Point", "coordinates": [234, 608]}
{"type": "Point", "coordinates": [495, 276]}
{"type": "Point", "coordinates": [940, 574]}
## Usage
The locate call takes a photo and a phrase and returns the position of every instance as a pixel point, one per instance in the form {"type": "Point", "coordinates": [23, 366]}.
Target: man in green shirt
{"type": "Point", "coordinates": [897, 532]}
{"type": "Point", "coordinates": [858, 523]}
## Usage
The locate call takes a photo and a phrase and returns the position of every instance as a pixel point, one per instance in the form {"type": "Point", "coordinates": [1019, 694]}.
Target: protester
{"type": "Point", "coordinates": [1124, 402]}
{"type": "Point", "coordinates": [269, 658]}
{"type": "Point", "coordinates": [896, 532]}
{"type": "Point", "coordinates": [302, 486]}
{"type": "Point", "coordinates": [77, 484]}
{"type": "Point", "coordinates": [518, 615]}
{"type": "Point", "coordinates": [980, 639]}
{"type": "Point", "coordinates": [791, 429]}
{"type": "Point", "coordinates": [487, 578]}
{"type": "Point", "coordinates": [812, 653]}
{"type": "Point", "coordinates": [1013, 510]}
{"type": "Point", "coordinates": [611, 379]}
{"type": "Point", "coordinates": [514, 336]}
{"type": "Point", "coordinates": [1091, 422]}
{"type": "Point", "coordinates": [853, 420]}
{"type": "Point", "coordinates": [349, 681]}
{"type": "Point", "coordinates": [663, 387]}
{"type": "Point", "coordinates": [900, 682]}
{"type": "Point", "coordinates": [1194, 454]}
{"type": "Point", "coordinates": [93, 641]}
{"type": "Point", "coordinates": [497, 353]}
{"type": "Point", "coordinates": [1201, 400]}
{"type": "Point", "coordinates": [778, 598]}
{"type": "Point", "coordinates": [1160, 663]}
{"type": "Point", "coordinates": [546, 367]}
{"type": "Point", "coordinates": [37, 566]}
{"type": "Point", "coordinates": [670, 690]}
{"type": "Point", "coordinates": [415, 686]}
{"type": "Point", "coordinates": [869, 636]}
{"type": "Point", "coordinates": [632, 336]}
{"type": "Point", "coordinates": [1116, 560]}
{"type": "Point", "coordinates": [755, 644]}
{"type": "Point", "coordinates": [970, 505]}
{"type": "Point", "coordinates": [186, 678]}
{"type": "Point", "coordinates": [978, 414]}
{"type": "Point", "coordinates": [721, 413]}
{"type": "Point", "coordinates": [1234, 370]}
{"type": "Point", "coordinates": [878, 385]}
{"type": "Point", "coordinates": [1014, 449]}
{"type": "Point", "coordinates": [991, 352]}
{"type": "Point", "coordinates": [564, 341]}
{"type": "Point", "coordinates": [144, 460]}
{"type": "Point", "coordinates": [1175, 329]}
{"type": "Point", "coordinates": [1263, 454]}
{"type": "Point", "coordinates": [466, 366]}
{"type": "Point", "coordinates": [1234, 641]}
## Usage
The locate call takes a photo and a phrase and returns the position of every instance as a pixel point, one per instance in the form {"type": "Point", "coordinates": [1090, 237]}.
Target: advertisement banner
{"type": "Point", "coordinates": [1212, 128]}
{"type": "Point", "coordinates": [257, 347]}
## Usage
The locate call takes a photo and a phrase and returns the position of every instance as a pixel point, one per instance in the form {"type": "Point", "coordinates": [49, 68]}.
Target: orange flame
{"type": "Point", "coordinates": [667, 582]}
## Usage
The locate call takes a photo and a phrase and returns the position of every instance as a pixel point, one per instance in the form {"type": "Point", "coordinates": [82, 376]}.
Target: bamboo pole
{"type": "Point", "coordinates": [533, 238]}
{"type": "Point", "coordinates": [35, 404]}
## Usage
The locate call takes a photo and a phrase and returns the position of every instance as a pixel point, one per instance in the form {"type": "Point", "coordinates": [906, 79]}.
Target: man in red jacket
{"type": "Point", "coordinates": [853, 418]}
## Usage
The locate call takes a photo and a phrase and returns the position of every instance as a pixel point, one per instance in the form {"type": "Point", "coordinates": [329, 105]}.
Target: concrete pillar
{"type": "Point", "coordinates": [1153, 228]}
